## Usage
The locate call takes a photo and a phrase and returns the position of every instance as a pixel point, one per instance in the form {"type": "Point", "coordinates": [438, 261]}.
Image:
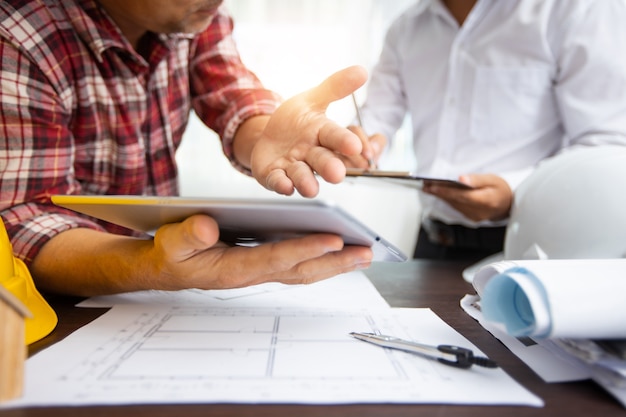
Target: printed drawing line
{"type": "Point", "coordinates": [272, 356]}
{"type": "Point", "coordinates": [236, 343]}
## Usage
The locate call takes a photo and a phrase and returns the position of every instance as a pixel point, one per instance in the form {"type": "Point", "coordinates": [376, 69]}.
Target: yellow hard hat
{"type": "Point", "coordinates": [15, 277]}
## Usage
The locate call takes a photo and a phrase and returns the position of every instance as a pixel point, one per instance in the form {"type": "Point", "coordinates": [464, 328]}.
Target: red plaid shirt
{"type": "Point", "coordinates": [81, 112]}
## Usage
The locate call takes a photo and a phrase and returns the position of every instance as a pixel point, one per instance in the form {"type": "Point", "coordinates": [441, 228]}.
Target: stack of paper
{"type": "Point", "coordinates": [573, 309]}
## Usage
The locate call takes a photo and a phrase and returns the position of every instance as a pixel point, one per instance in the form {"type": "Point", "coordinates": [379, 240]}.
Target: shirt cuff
{"type": "Point", "coordinates": [260, 108]}
{"type": "Point", "coordinates": [30, 228]}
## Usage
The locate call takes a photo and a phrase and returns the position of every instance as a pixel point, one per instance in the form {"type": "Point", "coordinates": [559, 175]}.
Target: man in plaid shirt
{"type": "Point", "coordinates": [95, 97]}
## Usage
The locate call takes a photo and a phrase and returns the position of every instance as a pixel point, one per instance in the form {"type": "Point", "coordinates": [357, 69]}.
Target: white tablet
{"type": "Point", "coordinates": [242, 221]}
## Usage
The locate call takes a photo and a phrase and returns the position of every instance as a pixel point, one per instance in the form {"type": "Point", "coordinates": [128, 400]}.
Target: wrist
{"type": "Point", "coordinates": [246, 138]}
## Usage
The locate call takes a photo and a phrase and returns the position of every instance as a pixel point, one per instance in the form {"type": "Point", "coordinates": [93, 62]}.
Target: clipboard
{"type": "Point", "coordinates": [405, 178]}
{"type": "Point", "coordinates": [243, 222]}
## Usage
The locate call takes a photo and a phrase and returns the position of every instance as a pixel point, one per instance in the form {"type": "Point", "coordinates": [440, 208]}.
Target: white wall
{"type": "Point", "coordinates": [292, 45]}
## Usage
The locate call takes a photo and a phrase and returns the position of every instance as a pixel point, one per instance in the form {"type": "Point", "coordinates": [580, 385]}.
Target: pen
{"type": "Point", "coordinates": [447, 354]}
{"type": "Point", "coordinates": [359, 119]}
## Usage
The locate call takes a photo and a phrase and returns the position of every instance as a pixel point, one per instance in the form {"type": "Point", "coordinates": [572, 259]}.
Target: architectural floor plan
{"type": "Point", "coordinates": [173, 354]}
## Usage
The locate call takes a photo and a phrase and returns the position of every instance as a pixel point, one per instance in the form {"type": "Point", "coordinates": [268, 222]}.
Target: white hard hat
{"type": "Point", "coordinates": [572, 206]}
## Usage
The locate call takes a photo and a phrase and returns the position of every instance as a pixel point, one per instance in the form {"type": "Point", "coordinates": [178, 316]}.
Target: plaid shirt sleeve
{"type": "Point", "coordinates": [225, 92]}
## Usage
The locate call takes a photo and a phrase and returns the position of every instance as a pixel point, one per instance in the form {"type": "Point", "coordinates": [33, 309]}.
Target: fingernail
{"type": "Point", "coordinates": [363, 265]}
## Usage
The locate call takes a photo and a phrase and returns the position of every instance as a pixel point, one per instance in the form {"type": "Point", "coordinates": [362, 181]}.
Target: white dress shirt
{"type": "Point", "coordinates": [516, 83]}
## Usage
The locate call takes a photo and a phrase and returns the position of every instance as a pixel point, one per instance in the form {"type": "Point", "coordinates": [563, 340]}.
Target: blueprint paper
{"type": "Point", "coordinates": [349, 290]}
{"type": "Point", "coordinates": [534, 352]}
{"type": "Point", "coordinates": [555, 298]}
{"type": "Point", "coordinates": [153, 354]}
{"type": "Point", "coordinates": [545, 356]}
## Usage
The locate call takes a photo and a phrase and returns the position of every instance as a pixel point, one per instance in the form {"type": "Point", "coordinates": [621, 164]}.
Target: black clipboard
{"type": "Point", "coordinates": [405, 178]}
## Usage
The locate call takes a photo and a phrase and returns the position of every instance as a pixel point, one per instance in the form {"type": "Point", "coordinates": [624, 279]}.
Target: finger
{"type": "Point", "coordinates": [334, 140]}
{"type": "Point", "coordinates": [482, 180]}
{"type": "Point", "coordinates": [443, 191]}
{"type": "Point", "coordinates": [337, 86]}
{"type": "Point", "coordinates": [367, 151]}
{"type": "Point", "coordinates": [273, 261]}
{"type": "Point", "coordinates": [340, 139]}
{"type": "Point", "coordinates": [372, 146]}
{"type": "Point", "coordinates": [328, 265]}
{"type": "Point", "coordinates": [278, 181]}
{"type": "Point", "coordinates": [303, 179]}
{"type": "Point", "coordinates": [378, 142]}
{"type": "Point", "coordinates": [307, 259]}
{"type": "Point", "coordinates": [473, 181]}
{"type": "Point", "coordinates": [453, 193]}
{"type": "Point", "coordinates": [183, 240]}
{"type": "Point", "coordinates": [325, 163]}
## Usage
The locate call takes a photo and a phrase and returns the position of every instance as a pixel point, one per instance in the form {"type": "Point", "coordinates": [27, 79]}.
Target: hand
{"type": "Point", "coordinates": [372, 149]}
{"type": "Point", "coordinates": [190, 255]}
{"type": "Point", "coordinates": [299, 140]}
{"type": "Point", "coordinates": [489, 199]}
{"type": "Point", "coordinates": [184, 255]}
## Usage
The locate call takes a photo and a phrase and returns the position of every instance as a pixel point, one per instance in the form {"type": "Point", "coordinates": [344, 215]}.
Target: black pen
{"type": "Point", "coordinates": [447, 354]}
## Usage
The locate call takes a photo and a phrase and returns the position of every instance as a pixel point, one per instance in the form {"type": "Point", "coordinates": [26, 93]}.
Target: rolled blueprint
{"type": "Point", "coordinates": [581, 298]}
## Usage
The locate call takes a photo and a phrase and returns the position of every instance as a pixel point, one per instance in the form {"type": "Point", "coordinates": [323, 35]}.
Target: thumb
{"type": "Point", "coordinates": [470, 179]}
{"type": "Point", "coordinates": [183, 240]}
{"type": "Point", "coordinates": [477, 181]}
{"type": "Point", "coordinates": [337, 86]}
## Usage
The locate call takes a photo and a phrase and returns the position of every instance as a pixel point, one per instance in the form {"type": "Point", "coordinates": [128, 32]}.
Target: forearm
{"type": "Point", "coordinates": [86, 262]}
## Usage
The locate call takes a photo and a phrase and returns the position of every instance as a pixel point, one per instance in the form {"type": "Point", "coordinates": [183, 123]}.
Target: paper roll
{"type": "Point", "coordinates": [556, 298]}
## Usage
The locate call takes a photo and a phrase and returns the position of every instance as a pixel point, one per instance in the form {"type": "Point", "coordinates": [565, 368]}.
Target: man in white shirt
{"type": "Point", "coordinates": [492, 88]}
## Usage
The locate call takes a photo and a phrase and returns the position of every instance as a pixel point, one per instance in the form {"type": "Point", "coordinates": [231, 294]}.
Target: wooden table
{"type": "Point", "coordinates": [437, 285]}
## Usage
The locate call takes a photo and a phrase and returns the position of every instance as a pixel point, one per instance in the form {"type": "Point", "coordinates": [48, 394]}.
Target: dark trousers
{"type": "Point", "coordinates": [437, 240]}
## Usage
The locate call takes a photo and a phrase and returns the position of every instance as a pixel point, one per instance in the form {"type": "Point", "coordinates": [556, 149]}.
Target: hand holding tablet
{"type": "Point", "coordinates": [243, 222]}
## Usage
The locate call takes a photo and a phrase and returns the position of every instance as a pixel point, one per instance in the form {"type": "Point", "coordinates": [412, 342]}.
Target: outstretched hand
{"type": "Point", "coordinates": [299, 141]}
